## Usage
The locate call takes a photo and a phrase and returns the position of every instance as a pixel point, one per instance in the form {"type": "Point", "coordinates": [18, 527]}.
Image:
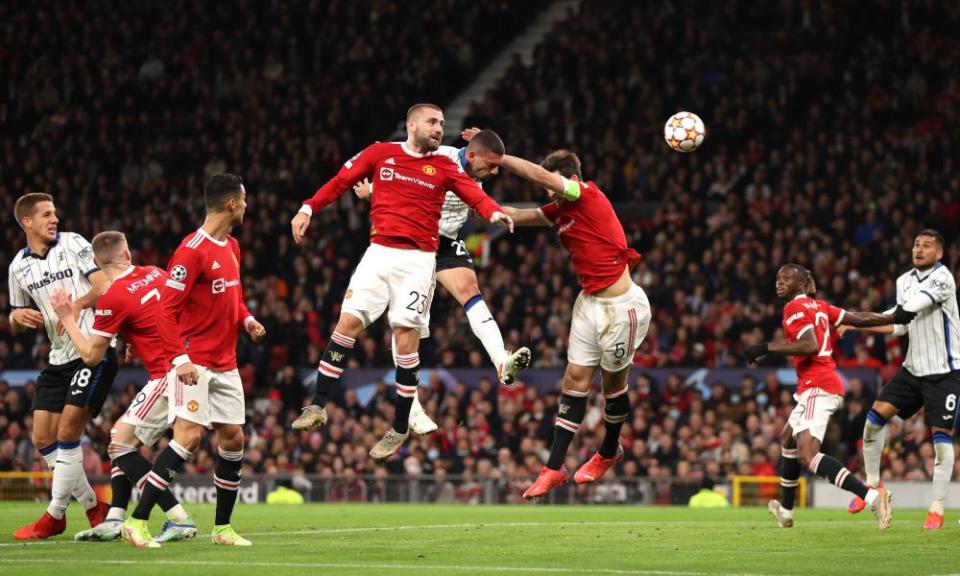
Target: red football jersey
{"type": "Point", "coordinates": [819, 369]}
{"type": "Point", "coordinates": [589, 228]}
{"type": "Point", "coordinates": [405, 211]}
{"type": "Point", "coordinates": [129, 308]}
{"type": "Point", "coordinates": [201, 303]}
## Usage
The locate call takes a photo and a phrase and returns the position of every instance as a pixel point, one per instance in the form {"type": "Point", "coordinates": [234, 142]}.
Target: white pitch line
{"type": "Point", "coordinates": [378, 566]}
{"type": "Point", "coordinates": [408, 527]}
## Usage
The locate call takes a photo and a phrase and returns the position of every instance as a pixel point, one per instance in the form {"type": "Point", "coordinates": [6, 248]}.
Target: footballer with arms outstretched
{"type": "Point", "coordinates": [930, 375]}
{"type": "Point", "coordinates": [610, 317]}
{"type": "Point", "coordinates": [128, 309]}
{"type": "Point", "coordinates": [480, 159]}
{"type": "Point", "coordinates": [806, 325]}
{"type": "Point", "coordinates": [396, 273]}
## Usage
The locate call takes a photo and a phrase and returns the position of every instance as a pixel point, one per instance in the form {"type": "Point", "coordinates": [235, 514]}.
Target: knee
{"type": "Point", "coordinates": [806, 452]}
{"type": "Point", "coordinates": [42, 438]}
{"type": "Point", "coordinates": [575, 384]}
{"type": "Point", "coordinates": [349, 325]}
{"type": "Point", "coordinates": [188, 436]}
{"type": "Point", "coordinates": [787, 440]}
{"type": "Point", "coordinates": [466, 292]}
{"type": "Point", "coordinates": [122, 441]}
{"type": "Point", "coordinates": [231, 438]}
{"type": "Point", "coordinates": [71, 424]}
{"type": "Point", "coordinates": [408, 339]}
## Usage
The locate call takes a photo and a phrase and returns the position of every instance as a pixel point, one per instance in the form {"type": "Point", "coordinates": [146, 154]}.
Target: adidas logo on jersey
{"type": "Point", "coordinates": [389, 161]}
{"type": "Point", "coordinates": [216, 265]}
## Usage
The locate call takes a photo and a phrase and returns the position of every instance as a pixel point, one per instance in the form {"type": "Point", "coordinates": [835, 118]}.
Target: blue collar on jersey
{"type": "Point", "coordinates": [929, 272]}
{"type": "Point", "coordinates": [27, 252]}
{"type": "Point", "coordinates": [462, 154]}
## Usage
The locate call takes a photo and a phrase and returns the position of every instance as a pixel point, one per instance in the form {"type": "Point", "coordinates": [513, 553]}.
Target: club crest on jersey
{"type": "Point", "coordinates": [429, 170]}
{"type": "Point", "coordinates": [386, 174]}
{"type": "Point", "coordinates": [179, 273]}
{"type": "Point", "coordinates": [193, 406]}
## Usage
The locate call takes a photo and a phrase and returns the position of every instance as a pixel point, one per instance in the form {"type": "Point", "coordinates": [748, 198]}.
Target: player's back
{"type": "Point", "coordinates": [203, 298]}
{"type": "Point", "coordinates": [129, 308]}
{"type": "Point", "coordinates": [589, 228]}
{"type": "Point", "coordinates": [804, 314]}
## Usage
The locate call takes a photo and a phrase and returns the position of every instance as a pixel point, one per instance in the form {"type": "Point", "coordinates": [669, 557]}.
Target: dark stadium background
{"type": "Point", "coordinates": [833, 138]}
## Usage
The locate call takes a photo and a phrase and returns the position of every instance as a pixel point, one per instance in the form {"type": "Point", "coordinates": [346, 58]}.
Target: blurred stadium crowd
{"type": "Point", "coordinates": [831, 141]}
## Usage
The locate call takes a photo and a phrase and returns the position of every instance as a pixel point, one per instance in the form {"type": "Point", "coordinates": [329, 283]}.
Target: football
{"type": "Point", "coordinates": [684, 132]}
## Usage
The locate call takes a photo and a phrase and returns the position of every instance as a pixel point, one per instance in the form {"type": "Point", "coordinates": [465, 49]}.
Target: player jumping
{"type": "Point", "coordinates": [128, 308]}
{"type": "Point", "coordinates": [396, 273]}
{"type": "Point", "coordinates": [69, 393]}
{"type": "Point", "coordinates": [610, 317]}
{"type": "Point", "coordinates": [806, 326]}
{"type": "Point", "coordinates": [200, 313]}
{"type": "Point", "coordinates": [480, 159]}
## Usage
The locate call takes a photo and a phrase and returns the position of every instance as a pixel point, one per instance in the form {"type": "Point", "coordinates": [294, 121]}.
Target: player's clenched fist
{"type": "Point", "coordinates": [188, 374]}
{"type": "Point", "coordinates": [300, 223]}
{"type": "Point", "coordinates": [255, 330]}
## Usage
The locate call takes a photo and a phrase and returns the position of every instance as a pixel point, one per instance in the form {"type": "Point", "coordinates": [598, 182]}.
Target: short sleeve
{"type": "Point", "coordinates": [19, 298]}
{"type": "Point", "coordinates": [82, 252]}
{"type": "Point", "coordinates": [835, 315]}
{"type": "Point", "coordinates": [108, 316]}
{"type": "Point", "coordinates": [940, 287]}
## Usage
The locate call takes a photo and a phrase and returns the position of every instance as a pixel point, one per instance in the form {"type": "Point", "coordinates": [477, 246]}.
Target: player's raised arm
{"type": "Point", "coordinates": [352, 171]}
{"type": "Point", "coordinates": [93, 348]}
{"type": "Point", "coordinates": [874, 320]}
{"type": "Point", "coordinates": [567, 189]}
{"type": "Point", "coordinates": [471, 193]}
{"type": "Point", "coordinates": [527, 216]}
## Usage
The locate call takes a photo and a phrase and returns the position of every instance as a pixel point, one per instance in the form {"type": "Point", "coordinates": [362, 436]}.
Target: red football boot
{"type": "Point", "coordinates": [545, 482]}
{"type": "Point", "coordinates": [594, 468]}
{"type": "Point", "coordinates": [98, 513]}
{"type": "Point", "coordinates": [857, 504]}
{"type": "Point", "coordinates": [43, 528]}
{"type": "Point", "coordinates": [934, 521]}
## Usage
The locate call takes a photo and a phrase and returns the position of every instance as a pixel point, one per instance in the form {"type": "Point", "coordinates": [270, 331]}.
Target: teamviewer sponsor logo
{"type": "Point", "coordinates": [416, 181]}
{"type": "Point", "coordinates": [386, 174]}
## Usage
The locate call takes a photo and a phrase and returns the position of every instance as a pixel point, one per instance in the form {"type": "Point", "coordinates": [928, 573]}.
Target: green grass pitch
{"type": "Point", "coordinates": [368, 540]}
